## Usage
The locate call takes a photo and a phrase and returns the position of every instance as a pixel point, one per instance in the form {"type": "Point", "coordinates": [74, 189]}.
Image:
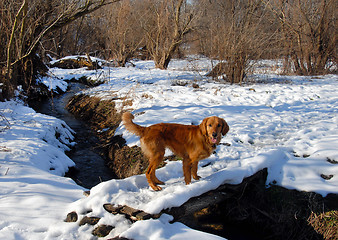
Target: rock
{"type": "Point", "coordinates": [326, 177]}
{"type": "Point", "coordinates": [86, 193]}
{"type": "Point", "coordinates": [71, 217]}
{"type": "Point", "coordinates": [102, 230]}
{"type": "Point", "coordinates": [195, 85]}
{"type": "Point", "coordinates": [130, 213]}
{"type": "Point", "coordinates": [112, 209]}
{"type": "Point", "coordinates": [89, 220]}
{"type": "Point", "coordinates": [118, 238]}
{"type": "Point", "coordinates": [143, 216]}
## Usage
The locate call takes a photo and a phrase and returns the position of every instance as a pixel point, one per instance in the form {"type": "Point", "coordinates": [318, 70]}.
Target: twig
{"type": "Point", "coordinates": [8, 125]}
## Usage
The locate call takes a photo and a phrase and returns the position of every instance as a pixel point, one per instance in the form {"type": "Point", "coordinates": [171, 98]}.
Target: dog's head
{"type": "Point", "coordinates": [214, 128]}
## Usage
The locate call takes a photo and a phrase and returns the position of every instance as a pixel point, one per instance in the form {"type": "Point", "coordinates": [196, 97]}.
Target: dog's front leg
{"type": "Point", "coordinates": [187, 170]}
{"type": "Point", "coordinates": [194, 170]}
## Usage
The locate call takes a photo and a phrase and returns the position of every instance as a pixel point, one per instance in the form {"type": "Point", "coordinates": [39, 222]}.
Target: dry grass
{"type": "Point", "coordinates": [325, 224]}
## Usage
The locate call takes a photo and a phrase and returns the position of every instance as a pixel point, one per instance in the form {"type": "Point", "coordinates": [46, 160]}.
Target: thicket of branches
{"type": "Point", "coordinates": [302, 32]}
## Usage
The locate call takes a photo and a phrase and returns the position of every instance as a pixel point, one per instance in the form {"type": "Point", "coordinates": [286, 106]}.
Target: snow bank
{"type": "Point", "coordinates": [32, 160]}
{"type": "Point", "coordinates": [287, 124]}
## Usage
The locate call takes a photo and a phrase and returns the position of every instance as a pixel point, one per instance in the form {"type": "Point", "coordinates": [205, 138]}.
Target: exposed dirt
{"type": "Point", "coordinates": [101, 115]}
{"type": "Point", "coordinates": [104, 119]}
{"type": "Point", "coordinates": [127, 161]}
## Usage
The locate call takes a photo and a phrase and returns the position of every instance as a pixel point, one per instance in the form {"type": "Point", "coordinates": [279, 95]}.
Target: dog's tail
{"type": "Point", "coordinates": [127, 118]}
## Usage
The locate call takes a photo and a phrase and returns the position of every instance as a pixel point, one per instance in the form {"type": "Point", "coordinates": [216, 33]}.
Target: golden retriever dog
{"type": "Point", "coordinates": [190, 142]}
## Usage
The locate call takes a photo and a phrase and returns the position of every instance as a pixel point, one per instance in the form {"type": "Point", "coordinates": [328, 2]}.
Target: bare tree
{"type": "Point", "coordinates": [31, 21]}
{"type": "Point", "coordinates": [123, 36]}
{"type": "Point", "coordinates": [165, 24]}
{"type": "Point", "coordinates": [234, 34]}
{"type": "Point", "coordinates": [309, 33]}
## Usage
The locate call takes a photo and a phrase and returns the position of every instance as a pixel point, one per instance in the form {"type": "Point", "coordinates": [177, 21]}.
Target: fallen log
{"type": "Point", "coordinates": [185, 213]}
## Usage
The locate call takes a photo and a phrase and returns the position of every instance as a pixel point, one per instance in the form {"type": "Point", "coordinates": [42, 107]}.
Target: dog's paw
{"type": "Point", "coordinates": [155, 187]}
{"type": "Point", "coordinates": [196, 177]}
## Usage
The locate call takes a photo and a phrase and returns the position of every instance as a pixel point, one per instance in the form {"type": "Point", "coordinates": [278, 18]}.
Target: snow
{"type": "Point", "coordinates": [287, 124]}
{"type": "Point", "coordinates": [32, 160]}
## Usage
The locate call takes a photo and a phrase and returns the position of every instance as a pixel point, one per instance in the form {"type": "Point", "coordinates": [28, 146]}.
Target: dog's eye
{"type": "Point", "coordinates": [218, 125]}
{"type": "Point", "coordinates": [210, 125]}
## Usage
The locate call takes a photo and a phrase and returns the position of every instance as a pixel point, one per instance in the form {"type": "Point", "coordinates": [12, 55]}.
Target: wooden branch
{"type": "Point", "coordinates": [64, 19]}
{"type": "Point", "coordinates": [23, 27]}
{"type": "Point", "coordinates": [37, 40]}
{"type": "Point", "coordinates": [82, 11]}
{"type": "Point", "coordinates": [10, 43]}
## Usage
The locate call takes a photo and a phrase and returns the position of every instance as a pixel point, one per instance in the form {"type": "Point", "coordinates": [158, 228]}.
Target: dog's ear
{"type": "Point", "coordinates": [203, 126]}
{"type": "Point", "coordinates": [225, 127]}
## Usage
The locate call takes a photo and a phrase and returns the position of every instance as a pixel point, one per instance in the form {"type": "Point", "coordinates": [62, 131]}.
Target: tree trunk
{"type": "Point", "coordinates": [22, 63]}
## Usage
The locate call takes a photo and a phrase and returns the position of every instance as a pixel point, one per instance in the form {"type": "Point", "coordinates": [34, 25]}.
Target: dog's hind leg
{"type": "Point", "coordinates": [154, 148]}
{"type": "Point", "coordinates": [154, 161]}
{"type": "Point", "coordinates": [155, 152]}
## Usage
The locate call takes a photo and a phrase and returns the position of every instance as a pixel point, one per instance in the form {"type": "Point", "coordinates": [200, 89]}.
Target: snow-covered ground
{"type": "Point", "coordinates": [288, 124]}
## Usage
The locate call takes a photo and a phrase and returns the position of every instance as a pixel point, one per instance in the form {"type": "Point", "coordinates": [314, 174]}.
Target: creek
{"type": "Point", "coordinates": [246, 215]}
{"type": "Point", "coordinates": [90, 166]}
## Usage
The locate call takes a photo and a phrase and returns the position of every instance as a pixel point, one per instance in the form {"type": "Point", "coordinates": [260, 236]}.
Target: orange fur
{"type": "Point", "coordinates": [191, 143]}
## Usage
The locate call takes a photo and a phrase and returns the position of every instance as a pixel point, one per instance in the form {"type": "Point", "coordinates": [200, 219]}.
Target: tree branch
{"type": "Point", "coordinates": [65, 18]}
{"type": "Point", "coordinates": [10, 43]}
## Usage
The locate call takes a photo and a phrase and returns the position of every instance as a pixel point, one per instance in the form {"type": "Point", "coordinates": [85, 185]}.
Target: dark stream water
{"type": "Point", "coordinates": [90, 167]}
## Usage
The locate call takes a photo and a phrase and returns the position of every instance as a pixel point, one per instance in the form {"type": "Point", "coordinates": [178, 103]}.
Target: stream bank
{"type": "Point", "coordinates": [90, 166]}
{"type": "Point", "coordinates": [247, 211]}
{"type": "Point", "coordinates": [124, 161]}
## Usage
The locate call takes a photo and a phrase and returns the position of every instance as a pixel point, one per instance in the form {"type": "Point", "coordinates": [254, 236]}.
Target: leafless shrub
{"type": "Point", "coordinates": [165, 24]}
{"type": "Point", "coordinates": [124, 35]}
{"type": "Point", "coordinates": [235, 34]}
{"type": "Point", "coordinates": [308, 32]}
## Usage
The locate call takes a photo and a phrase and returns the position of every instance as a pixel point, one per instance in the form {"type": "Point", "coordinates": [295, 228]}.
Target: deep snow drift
{"type": "Point", "coordinates": [288, 124]}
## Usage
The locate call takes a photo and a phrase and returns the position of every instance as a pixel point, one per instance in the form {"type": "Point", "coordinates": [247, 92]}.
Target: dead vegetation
{"type": "Point", "coordinates": [127, 161]}
{"type": "Point", "coordinates": [325, 224]}
{"type": "Point", "coordinates": [100, 114]}
{"type": "Point", "coordinates": [303, 33]}
{"type": "Point", "coordinates": [74, 63]}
